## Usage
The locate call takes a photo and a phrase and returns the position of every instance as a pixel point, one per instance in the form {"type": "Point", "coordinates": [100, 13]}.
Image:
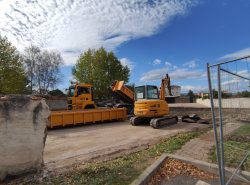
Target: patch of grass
{"type": "Point", "coordinates": [122, 170]}
{"type": "Point", "coordinates": [235, 147]}
{"type": "Point", "coordinates": [242, 131]}
{"type": "Point", "coordinates": [234, 153]}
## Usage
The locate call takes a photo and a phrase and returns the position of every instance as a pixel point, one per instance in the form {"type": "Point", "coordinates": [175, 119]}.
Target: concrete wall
{"type": "Point", "coordinates": [57, 104]}
{"type": "Point", "coordinates": [23, 121]}
{"type": "Point", "coordinates": [228, 103]}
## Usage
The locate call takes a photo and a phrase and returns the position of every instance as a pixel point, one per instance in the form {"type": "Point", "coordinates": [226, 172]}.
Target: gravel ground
{"type": "Point", "coordinates": [71, 145]}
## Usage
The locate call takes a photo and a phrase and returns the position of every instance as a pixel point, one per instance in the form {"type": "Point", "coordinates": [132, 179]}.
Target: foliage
{"type": "Point", "coordinates": [42, 68]}
{"type": "Point", "coordinates": [122, 170]}
{"type": "Point", "coordinates": [30, 58]}
{"type": "Point", "coordinates": [99, 68]}
{"type": "Point", "coordinates": [56, 92]}
{"type": "Point", "coordinates": [190, 93]}
{"type": "Point", "coordinates": [234, 153]}
{"type": "Point", "coordinates": [215, 95]}
{"type": "Point", "coordinates": [244, 94]}
{"type": "Point", "coordinates": [205, 97]}
{"type": "Point", "coordinates": [12, 76]}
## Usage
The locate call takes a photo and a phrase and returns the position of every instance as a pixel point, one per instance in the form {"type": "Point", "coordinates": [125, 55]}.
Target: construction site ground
{"type": "Point", "coordinates": [71, 148]}
{"type": "Point", "coordinates": [103, 141]}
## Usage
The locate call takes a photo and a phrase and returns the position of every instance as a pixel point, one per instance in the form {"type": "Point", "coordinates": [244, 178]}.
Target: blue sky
{"type": "Point", "coordinates": [151, 37]}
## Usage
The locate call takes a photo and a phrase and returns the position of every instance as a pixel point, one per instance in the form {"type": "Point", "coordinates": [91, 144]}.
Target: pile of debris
{"type": "Point", "coordinates": [194, 118]}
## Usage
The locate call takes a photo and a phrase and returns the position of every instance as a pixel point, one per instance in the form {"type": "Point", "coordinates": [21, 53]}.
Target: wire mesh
{"type": "Point", "coordinates": [230, 90]}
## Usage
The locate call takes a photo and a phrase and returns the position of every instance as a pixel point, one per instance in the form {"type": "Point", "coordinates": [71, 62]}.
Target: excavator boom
{"type": "Point", "coordinates": [165, 82]}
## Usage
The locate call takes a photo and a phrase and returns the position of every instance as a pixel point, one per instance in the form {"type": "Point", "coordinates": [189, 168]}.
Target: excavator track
{"type": "Point", "coordinates": [139, 120]}
{"type": "Point", "coordinates": [163, 121]}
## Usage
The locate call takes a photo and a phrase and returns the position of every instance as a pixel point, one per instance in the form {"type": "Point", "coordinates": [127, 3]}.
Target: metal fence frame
{"type": "Point", "coordinates": [220, 143]}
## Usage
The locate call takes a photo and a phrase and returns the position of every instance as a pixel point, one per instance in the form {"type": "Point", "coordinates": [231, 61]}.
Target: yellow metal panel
{"type": "Point", "coordinates": [88, 117]}
{"type": "Point", "coordinates": [72, 117]}
{"type": "Point", "coordinates": [97, 116]}
{"type": "Point", "coordinates": [105, 115]}
{"type": "Point", "coordinates": [56, 120]}
{"type": "Point", "coordinates": [113, 114]}
{"type": "Point", "coordinates": [78, 117]}
{"type": "Point", "coordinates": [68, 118]}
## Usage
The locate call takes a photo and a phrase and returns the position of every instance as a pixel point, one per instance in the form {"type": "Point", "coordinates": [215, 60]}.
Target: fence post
{"type": "Point", "coordinates": [221, 126]}
{"type": "Point", "coordinates": [214, 123]}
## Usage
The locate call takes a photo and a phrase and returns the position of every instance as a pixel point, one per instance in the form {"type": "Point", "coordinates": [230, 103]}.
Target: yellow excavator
{"type": "Point", "coordinates": [149, 106]}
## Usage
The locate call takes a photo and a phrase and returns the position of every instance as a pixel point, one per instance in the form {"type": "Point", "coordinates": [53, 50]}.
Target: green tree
{"type": "Point", "coordinates": [42, 68]}
{"type": "Point", "coordinates": [30, 57]}
{"type": "Point", "coordinates": [56, 92]}
{"type": "Point", "coordinates": [100, 68]}
{"type": "Point", "coordinates": [190, 93]}
{"type": "Point", "coordinates": [12, 75]}
{"type": "Point", "coordinates": [215, 94]}
{"type": "Point", "coordinates": [244, 94]}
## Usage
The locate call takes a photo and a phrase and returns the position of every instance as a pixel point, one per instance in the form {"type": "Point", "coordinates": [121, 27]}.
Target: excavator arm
{"type": "Point", "coordinates": [165, 82]}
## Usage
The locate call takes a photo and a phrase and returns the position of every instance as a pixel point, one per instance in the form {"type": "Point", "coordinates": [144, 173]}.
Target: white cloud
{"type": "Point", "coordinates": [181, 73]}
{"type": "Point", "coordinates": [74, 26]}
{"type": "Point", "coordinates": [243, 73]}
{"type": "Point", "coordinates": [157, 62]}
{"type": "Point", "coordinates": [236, 82]}
{"type": "Point", "coordinates": [154, 75]}
{"type": "Point", "coordinates": [168, 64]}
{"type": "Point", "coordinates": [237, 54]}
{"type": "Point", "coordinates": [230, 82]}
{"type": "Point", "coordinates": [176, 74]}
{"type": "Point", "coordinates": [128, 63]}
{"type": "Point", "coordinates": [190, 64]}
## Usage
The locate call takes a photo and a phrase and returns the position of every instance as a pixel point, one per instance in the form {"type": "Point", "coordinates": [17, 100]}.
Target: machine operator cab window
{"type": "Point", "coordinates": [71, 91]}
{"type": "Point", "coordinates": [82, 90]}
{"type": "Point", "coordinates": [146, 92]}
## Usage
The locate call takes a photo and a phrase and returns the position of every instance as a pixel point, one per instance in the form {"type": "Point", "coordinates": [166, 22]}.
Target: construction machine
{"type": "Point", "coordinates": [80, 96]}
{"type": "Point", "coordinates": [82, 109]}
{"type": "Point", "coordinates": [125, 94]}
{"type": "Point", "coordinates": [149, 107]}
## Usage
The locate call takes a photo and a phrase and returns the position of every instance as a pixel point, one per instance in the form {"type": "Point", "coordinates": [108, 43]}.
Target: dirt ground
{"type": "Point", "coordinates": [96, 142]}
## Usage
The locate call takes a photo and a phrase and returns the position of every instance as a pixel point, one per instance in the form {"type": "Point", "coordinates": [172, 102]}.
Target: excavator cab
{"type": "Point", "coordinates": [80, 96]}
{"type": "Point", "coordinates": [151, 106]}
{"type": "Point", "coordinates": [148, 103]}
{"type": "Point", "coordinates": [146, 92]}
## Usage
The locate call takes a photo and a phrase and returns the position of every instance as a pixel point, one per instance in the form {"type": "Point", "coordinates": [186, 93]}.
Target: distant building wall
{"type": "Point", "coordinates": [228, 103]}
{"type": "Point", "coordinates": [23, 121]}
{"type": "Point", "coordinates": [181, 99]}
{"type": "Point", "coordinates": [175, 89]}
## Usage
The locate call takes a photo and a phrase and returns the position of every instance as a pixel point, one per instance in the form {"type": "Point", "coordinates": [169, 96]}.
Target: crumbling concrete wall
{"type": "Point", "coordinates": [23, 121]}
{"type": "Point", "coordinates": [57, 104]}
